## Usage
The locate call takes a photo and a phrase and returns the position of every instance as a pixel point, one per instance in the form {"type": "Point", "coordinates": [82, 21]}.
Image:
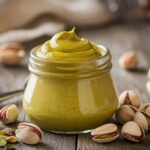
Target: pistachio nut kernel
{"type": "Point", "coordinates": [28, 133]}
{"type": "Point", "coordinates": [145, 108]}
{"type": "Point", "coordinates": [11, 139]}
{"type": "Point", "coordinates": [125, 113]}
{"type": "Point", "coordinates": [129, 97]}
{"type": "Point", "coordinates": [133, 132]}
{"type": "Point", "coordinates": [143, 120]}
{"type": "Point", "coordinates": [105, 133]}
{"type": "Point", "coordinates": [9, 114]}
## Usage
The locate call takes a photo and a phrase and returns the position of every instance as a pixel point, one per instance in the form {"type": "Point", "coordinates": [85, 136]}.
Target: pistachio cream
{"type": "Point", "coordinates": [68, 46]}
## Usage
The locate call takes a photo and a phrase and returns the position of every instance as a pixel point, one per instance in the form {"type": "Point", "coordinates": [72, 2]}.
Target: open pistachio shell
{"type": "Point", "coordinates": [28, 133]}
{"type": "Point", "coordinates": [105, 133]}
{"type": "Point", "coordinates": [129, 98]}
{"type": "Point", "coordinates": [132, 131]}
{"type": "Point", "coordinates": [145, 108]}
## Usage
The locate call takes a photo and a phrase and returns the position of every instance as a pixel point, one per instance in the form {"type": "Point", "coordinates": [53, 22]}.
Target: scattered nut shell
{"type": "Point", "coordinates": [128, 60]}
{"type": "Point", "coordinates": [105, 133]}
{"type": "Point", "coordinates": [11, 53]}
{"type": "Point", "coordinates": [143, 120]}
{"type": "Point", "coordinates": [145, 108]}
{"type": "Point", "coordinates": [28, 133]}
{"type": "Point", "coordinates": [9, 114]}
{"type": "Point", "coordinates": [148, 86]}
{"type": "Point", "coordinates": [133, 132]}
{"type": "Point", "coordinates": [125, 113]}
{"type": "Point", "coordinates": [129, 98]}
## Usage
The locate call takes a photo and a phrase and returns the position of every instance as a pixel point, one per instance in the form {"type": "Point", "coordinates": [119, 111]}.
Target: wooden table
{"type": "Point", "coordinates": [118, 38]}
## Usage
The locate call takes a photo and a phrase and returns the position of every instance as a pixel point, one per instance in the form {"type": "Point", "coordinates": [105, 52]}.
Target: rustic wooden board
{"type": "Point", "coordinates": [118, 38]}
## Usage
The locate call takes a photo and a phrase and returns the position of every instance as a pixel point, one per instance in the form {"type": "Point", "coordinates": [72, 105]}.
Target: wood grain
{"type": "Point", "coordinates": [118, 38]}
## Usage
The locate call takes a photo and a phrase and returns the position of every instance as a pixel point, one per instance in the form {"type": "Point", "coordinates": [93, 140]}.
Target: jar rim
{"type": "Point", "coordinates": [71, 69]}
{"type": "Point", "coordinates": [106, 53]}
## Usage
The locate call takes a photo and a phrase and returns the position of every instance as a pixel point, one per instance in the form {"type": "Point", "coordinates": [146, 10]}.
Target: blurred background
{"type": "Point", "coordinates": [26, 20]}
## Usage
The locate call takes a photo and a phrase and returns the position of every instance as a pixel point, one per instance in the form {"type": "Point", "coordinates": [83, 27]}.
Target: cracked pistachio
{"type": "Point", "coordinates": [145, 108]}
{"type": "Point", "coordinates": [105, 133]}
{"type": "Point", "coordinates": [129, 98]}
{"type": "Point", "coordinates": [143, 120]}
{"type": "Point", "coordinates": [133, 132]}
{"type": "Point", "coordinates": [125, 113]}
{"type": "Point", "coordinates": [9, 114]}
{"type": "Point", "coordinates": [28, 133]}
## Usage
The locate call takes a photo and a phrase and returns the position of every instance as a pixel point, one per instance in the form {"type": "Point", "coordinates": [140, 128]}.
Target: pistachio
{"type": "Point", "coordinates": [125, 113]}
{"type": "Point", "coordinates": [143, 120]}
{"type": "Point", "coordinates": [11, 53]}
{"type": "Point", "coordinates": [148, 86]}
{"type": "Point", "coordinates": [28, 133]}
{"type": "Point", "coordinates": [129, 98]}
{"type": "Point", "coordinates": [133, 132]}
{"type": "Point", "coordinates": [105, 133]}
{"type": "Point", "coordinates": [2, 142]}
{"type": "Point", "coordinates": [145, 108]}
{"type": "Point", "coordinates": [9, 114]}
{"type": "Point", "coordinates": [11, 139]}
{"type": "Point", "coordinates": [9, 131]}
{"type": "Point", "coordinates": [128, 60]}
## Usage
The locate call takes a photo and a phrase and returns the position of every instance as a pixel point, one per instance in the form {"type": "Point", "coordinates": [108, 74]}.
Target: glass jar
{"type": "Point", "coordinates": [70, 97]}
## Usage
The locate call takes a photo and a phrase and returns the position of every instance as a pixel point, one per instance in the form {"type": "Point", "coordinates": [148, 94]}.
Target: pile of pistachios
{"type": "Point", "coordinates": [132, 115]}
{"type": "Point", "coordinates": [27, 133]}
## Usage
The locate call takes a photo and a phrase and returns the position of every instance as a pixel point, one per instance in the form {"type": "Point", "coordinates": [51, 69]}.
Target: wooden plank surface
{"type": "Point", "coordinates": [118, 38]}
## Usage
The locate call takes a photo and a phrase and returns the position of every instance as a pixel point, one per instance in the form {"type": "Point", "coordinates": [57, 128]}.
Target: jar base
{"type": "Point", "coordinates": [70, 132]}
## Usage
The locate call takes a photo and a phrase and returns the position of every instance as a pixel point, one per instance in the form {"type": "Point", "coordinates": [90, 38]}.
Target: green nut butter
{"type": "Point", "coordinates": [70, 89]}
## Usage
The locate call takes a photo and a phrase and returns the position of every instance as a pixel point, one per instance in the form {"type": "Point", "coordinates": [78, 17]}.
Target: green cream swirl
{"type": "Point", "coordinates": [68, 46]}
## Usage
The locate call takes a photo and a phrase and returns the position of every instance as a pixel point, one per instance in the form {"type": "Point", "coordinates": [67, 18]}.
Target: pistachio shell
{"type": "Point", "coordinates": [125, 113]}
{"type": "Point", "coordinates": [128, 60]}
{"type": "Point", "coordinates": [9, 114]}
{"type": "Point", "coordinates": [105, 133]}
{"type": "Point", "coordinates": [132, 131]}
{"type": "Point", "coordinates": [142, 120]}
{"type": "Point", "coordinates": [28, 133]}
{"type": "Point", "coordinates": [129, 98]}
{"type": "Point", "coordinates": [145, 108]}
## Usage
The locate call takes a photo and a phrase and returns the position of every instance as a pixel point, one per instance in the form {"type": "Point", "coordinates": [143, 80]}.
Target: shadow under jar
{"type": "Point", "coordinates": [70, 97]}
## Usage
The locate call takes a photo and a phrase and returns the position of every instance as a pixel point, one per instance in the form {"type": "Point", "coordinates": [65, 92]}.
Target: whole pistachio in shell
{"type": "Point", "coordinates": [145, 108]}
{"type": "Point", "coordinates": [105, 133]}
{"type": "Point", "coordinates": [9, 114]}
{"type": "Point", "coordinates": [28, 133]}
{"type": "Point", "coordinates": [125, 113]}
{"type": "Point", "coordinates": [128, 60]}
{"type": "Point", "coordinates": [133, 132]}
{"type": "Point", "coordinates": [129, 98]}
{"type": "Point", "coordinates": [143, 120]}
{"type": "Point", "coordinates": [11, 53]}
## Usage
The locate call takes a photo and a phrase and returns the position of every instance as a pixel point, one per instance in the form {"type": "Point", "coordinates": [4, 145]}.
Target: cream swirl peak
{"type": "Point", "coordinates": [68, 46]}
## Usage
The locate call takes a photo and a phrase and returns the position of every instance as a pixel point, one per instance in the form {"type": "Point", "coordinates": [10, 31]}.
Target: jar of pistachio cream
{"type": "Point", "coordinates": [70, 89]}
